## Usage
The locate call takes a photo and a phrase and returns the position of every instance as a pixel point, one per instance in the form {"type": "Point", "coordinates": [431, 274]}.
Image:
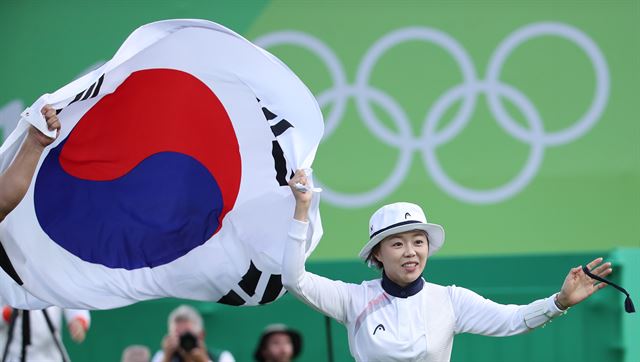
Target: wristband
{"type": "Point", "coordinates": [558, 304]}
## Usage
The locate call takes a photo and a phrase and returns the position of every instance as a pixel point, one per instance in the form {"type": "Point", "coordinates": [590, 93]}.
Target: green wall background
{"type": "Point", "coordinates": [583, 198]}
{"type": "Point", "coordinates": [584, 195]}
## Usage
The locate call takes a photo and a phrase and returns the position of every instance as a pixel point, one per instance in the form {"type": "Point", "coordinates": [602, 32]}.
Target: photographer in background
{"type": "Point", "coordinates": [185, 340]}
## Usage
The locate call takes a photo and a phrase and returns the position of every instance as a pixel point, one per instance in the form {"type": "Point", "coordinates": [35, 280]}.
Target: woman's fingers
{"type": "Point", "coordinates": [295, 178]}
{"type": "Point", "coordinates": [46, 109]}
{"type": "Point", "coordinates": [602, 267]}
{"type": "Point", "coordinates": [53, 123]}
{"type": "Point", "coordinates": [50, 113]}
{"type": "Point", "coordinates": [605, 272]}
{"type": "Point", "coordinates": [594, 263]}
{"type": "Point", "coordinates": [299, 177]}
{"type": "Point", "coordinates": [601, 270]}
{"type": "Point", "coordinates": [51, 117]}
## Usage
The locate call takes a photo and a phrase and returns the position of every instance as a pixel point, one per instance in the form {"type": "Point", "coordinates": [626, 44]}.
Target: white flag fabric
{"type": "Point", "coordinates": [168, 179]}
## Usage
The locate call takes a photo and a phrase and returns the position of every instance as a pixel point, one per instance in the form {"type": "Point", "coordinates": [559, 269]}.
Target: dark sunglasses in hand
{"type": "Point", "coordinates": [628, 304]}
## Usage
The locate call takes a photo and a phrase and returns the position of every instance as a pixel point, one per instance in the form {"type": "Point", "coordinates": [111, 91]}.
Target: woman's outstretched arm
{"type": "Point", "coordinates": [16, 179]}
{"type": "Point", "coordinates": [328, 296]}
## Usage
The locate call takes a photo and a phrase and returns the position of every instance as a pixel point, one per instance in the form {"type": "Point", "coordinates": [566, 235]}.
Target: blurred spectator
{"type": "Point", "coordinates": [136, 353]}
{"type": "Point", "coordinates": [42, 347]}
{"type": "Point", "coordinates": [278, 343]}
{"type": "Point", "coordinates": [185, 340]}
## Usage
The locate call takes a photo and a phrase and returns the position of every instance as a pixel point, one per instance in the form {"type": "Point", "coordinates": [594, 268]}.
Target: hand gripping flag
{"type": "Point", "coordinates": [168, 179]}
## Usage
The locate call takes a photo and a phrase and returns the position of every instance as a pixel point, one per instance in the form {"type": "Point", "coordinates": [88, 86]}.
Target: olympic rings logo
{"type": "Point", "coordinates": [467, 92]}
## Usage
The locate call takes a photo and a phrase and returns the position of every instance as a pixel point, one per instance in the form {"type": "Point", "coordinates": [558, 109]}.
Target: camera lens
{"type": "Point", "coordinates": [188, 341]}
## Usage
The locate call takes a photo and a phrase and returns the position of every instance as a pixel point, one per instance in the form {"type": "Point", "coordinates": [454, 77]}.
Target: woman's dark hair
{"type": "Point", "coordinates": [371, 259]}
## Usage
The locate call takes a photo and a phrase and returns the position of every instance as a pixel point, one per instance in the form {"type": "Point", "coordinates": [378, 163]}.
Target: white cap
{"type": "Point", "coordinates": [397, 218]}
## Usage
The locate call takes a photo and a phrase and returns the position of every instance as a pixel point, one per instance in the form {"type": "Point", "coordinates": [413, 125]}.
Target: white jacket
{"type": "Point", "coordinates": [419, 327]}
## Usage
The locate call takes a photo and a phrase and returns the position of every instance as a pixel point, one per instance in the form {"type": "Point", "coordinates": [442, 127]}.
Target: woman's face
{"type": "Point", "coordinates": [404, 256]}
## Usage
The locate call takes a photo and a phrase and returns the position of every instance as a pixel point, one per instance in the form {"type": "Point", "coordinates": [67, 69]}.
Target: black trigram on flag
{"type": "Point", "coordinates": [88, 93]}
{"type": "Point", "coordinates": [249, 284]}
{"type": "Point", "coordinates": [278, 126]}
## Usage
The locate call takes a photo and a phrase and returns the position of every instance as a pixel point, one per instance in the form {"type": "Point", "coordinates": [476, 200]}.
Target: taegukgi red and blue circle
{"type": "Point", "coordinates": [146, 175]}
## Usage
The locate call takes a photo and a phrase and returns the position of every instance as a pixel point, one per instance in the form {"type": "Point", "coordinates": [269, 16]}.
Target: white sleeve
{"type": "Point", "coordinates": [226, 356]}
{"type": "Point", "coordinates": [16, 296]}
{"type": "Point", "coordinates": [478, 315]}
{"type": "Point", "coordinates": [84, 315]}
{"type": "Point", "coordinates": [158, 356]}
{"type": "Point", "coordinates": [327, 296]}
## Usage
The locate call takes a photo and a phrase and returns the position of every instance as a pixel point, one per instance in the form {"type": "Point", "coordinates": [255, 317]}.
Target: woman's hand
{"type": "Point", "coordinates": [15, 180]}
{"type": "Point", "coordinates": [578, 286]}
{"type": "Point", "coordinates": [303, 199]}
{"type": "Point", "coordinates": [53, 123]}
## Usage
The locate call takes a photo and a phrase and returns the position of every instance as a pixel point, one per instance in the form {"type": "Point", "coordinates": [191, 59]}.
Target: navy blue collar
{"type": "Point", "coordinates": [397, 291]}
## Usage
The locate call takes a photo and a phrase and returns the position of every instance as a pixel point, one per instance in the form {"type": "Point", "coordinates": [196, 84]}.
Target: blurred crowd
{"type": "Point", "coordinates": [185, 342]}
{"type": "Point", "coordinates": [36, 336]}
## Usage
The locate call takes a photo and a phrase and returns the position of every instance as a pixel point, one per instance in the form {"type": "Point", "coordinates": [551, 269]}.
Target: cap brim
{"type": "Point", "coordinates": [435, 232]}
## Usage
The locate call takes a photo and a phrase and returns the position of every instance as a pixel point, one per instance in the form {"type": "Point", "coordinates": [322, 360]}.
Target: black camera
{"type": "Point", "coordinates": [188, 341]}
